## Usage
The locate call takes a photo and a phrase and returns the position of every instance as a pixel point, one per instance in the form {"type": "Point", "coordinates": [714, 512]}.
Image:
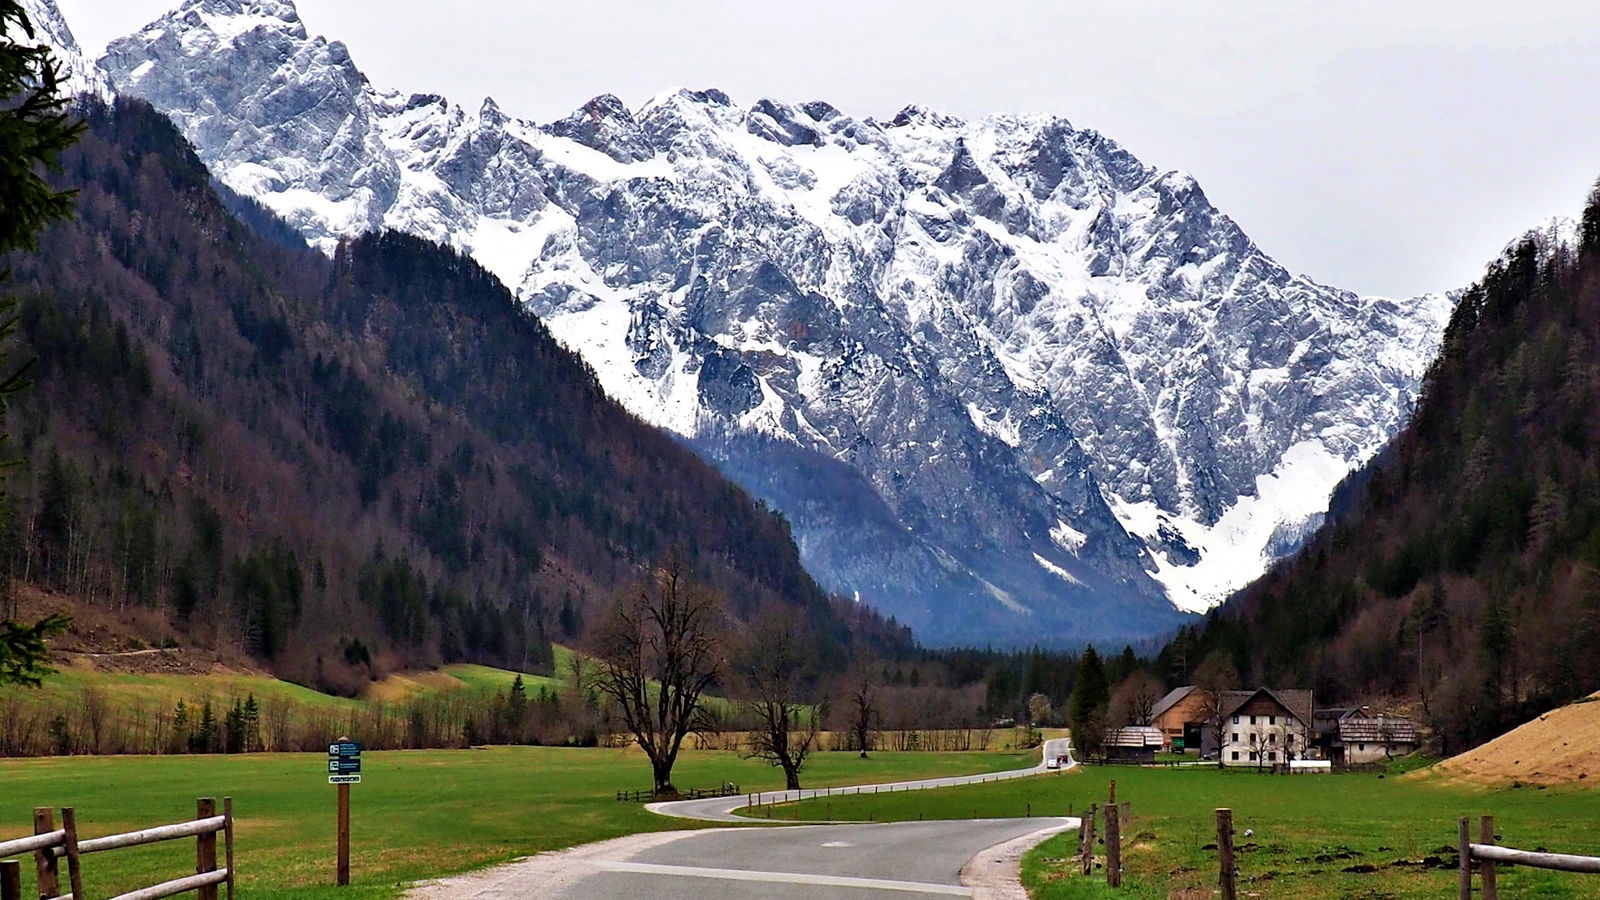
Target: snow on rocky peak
{"type": "Point", "coordinates": [1008, 382]}
{"type": "Point", "coordinates": [82, 75]}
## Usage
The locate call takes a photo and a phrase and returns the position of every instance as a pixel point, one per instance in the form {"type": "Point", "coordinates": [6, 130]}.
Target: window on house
{"type": "Point", "coordinates": [1235, 756]}
{"type": "Point", "coordinates": [1252, 720]}
{"type": "Point", "coordinates": [1361, 746]}
{"type": "Point", "coordinates": [1252, 755]}
{"type": "Point", "coordinates": [1235, 720]}
{"type": "Point", "coordinates": [1236, 737]}
{"type": "Point", "coordinates": [1253, 737]}
{"type": "Point", "coordinates": [1272, 756]}
{"type": "Point", "coordinates": [1272, 739]}
{"type": "Point", "coordinates": [1272, 720]}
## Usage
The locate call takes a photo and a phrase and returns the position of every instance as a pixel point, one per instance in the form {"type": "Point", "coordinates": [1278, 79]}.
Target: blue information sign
{"type": "Point", "coordinates": [344, 765]}
{"type": "Point", "coordinates": [344, 748]}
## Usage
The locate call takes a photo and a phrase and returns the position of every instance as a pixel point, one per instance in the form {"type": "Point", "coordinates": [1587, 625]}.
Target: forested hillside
{"type": "Point", "coordinates": [341, 466]}
{"type": "Point", "coordinates": [1463, 565]}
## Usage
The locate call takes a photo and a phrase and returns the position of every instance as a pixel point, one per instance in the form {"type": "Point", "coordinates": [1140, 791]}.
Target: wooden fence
{"type": "Point", "coordinates": [1488, 855]}
{"type": "Point", "coordinates": [645, 796]}
{"type": "Point", "coordinates": [1117, 817]}
{"type": "Point", "coordinates": [50, 844]}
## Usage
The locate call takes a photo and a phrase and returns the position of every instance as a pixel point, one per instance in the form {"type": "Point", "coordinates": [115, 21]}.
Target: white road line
{"type": "Point", "coordinates": [880, 884]}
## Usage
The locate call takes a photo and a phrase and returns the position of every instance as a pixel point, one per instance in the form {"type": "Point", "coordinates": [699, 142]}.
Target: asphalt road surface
{"type": "Point", "coordinates": [838, 861]}
{"type": "Point", "coordinates": [907, 859]}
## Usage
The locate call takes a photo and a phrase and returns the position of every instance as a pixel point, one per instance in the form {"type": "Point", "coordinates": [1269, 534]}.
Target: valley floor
{"type": "Point", "coordinates": [1309, 836]}
{"type": "Point", "coordinates": [416, 815]}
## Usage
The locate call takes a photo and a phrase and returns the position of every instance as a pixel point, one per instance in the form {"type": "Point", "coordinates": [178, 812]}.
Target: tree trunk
{"type": "Point", "coordinates": [791, 777]}
{"type": "Point", "coordinates": [663, 774]}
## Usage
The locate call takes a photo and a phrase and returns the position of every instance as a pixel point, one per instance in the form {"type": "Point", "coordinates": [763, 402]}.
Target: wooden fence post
{"type": "Point", "coordinates": [1113, 847]}
{"type": "Point", "coordinates": [10, 880]}
{"type": "Point", "coordinates": [1491, 891]}
{"type": "Point", "coordinates": [1088, 840]}
{"type": "Point", "coordinates": [227, 834]}
{"type": "Point", "coordinates": [1226, 875]}
{"type": "Point", "coordinates": [1464, 847]}
{"type": "Point", "coordinates": [69, 824]}
{"type": "Point", "coordinates": [44, 861]}
{"type": "Point", "coordinates": [205, 848]}
{"type": "Point", "coordinates": [1127, 812]}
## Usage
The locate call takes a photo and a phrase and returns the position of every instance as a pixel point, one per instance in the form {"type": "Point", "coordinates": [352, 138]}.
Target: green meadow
{"type": "Point", "coordinates": [417, 814]}
{"type": "Point", "coordinates": [1312, 836]}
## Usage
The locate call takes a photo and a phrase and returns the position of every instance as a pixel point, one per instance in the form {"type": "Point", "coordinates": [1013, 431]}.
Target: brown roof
{"type": "Point", "coordinates": [1378, 730]}
{"type": "Point", "coordinates": [1173, 698]}
{"type": "Point", "coordinates": [1328, 718]}
{"type": "Point", "coordinates": [1296, 702]}
{"type": "Point", "coordinates": [1137, 736]}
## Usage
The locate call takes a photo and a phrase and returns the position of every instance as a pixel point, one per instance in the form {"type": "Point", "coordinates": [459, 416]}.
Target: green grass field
{"type": "Point", "coordinates": [417, 814]}
{"type": "Point", "coordinates": [1314, 835]}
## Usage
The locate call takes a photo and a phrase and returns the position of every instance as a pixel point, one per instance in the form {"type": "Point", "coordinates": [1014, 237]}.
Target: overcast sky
{"type": "Point", "coordinates": [1386, 147]}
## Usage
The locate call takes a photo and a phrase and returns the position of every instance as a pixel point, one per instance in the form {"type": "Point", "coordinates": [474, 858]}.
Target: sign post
{"type": "Point", "coordinates": [344, 769]}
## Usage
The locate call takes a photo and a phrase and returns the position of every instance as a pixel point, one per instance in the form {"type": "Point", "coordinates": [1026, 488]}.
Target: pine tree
{"type": "Point", "coordinates": [1091, 693]}
{"type": "Point", "coordinates": [233, 729]}
{"type": "Point", "coordinates": [252, 724]}
{"type": "Point", "coordinates": [1589, 230]}
{"type": "Point", "coordinates": [180, 728]}
{"type": "Point", "coordinates": [1127, 663]}
{"type": "Point", "coordinates": [516, 708]}
{"type": "Point", "coordinates": [34, 131]}
{"type": "Point", "coordinates": [203, 740]}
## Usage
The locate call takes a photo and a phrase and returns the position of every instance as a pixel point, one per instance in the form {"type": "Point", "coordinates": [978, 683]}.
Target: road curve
{"type": "Point", "coordinates": [856, 861]}
{"type": "Point", "coordinates": [721, 809]}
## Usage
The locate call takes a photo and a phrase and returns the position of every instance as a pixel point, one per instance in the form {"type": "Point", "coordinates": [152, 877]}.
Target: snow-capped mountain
{"type": "Point", "coordinates": [1008, 383]}
{"type": "Point", "coordinates": [81, 74]}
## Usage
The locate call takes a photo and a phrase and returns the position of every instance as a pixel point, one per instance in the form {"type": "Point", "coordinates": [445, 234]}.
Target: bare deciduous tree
{"type": "Point", "coordinates": [773, 673]}
{"type": "Point", "coordinates": [865, 716]}
{"type": "Point", "coordinates": [660, 652]}
{"type": "Point", "coordinates": [1214, 676]}
{"type": "Point", "coordinates": [1134, 700]}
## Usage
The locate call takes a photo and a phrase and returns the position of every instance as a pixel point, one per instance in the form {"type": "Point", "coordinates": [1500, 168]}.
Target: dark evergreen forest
{"type": "Point", "coordinates": [339, 466]}
{"type": "Point", "coordinates": [1461, 567]}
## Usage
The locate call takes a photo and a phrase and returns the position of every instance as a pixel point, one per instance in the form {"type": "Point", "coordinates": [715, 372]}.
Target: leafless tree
{"type": "Point", "coordinates": [660, 652]}
{"type": "Point", "coordinates": [1134, 700]}
{"type": "Point", "coordinates": [865, 717]}
{"type": "Point", "coordinates": [773, 673]}
{"type": "Point", "coordinates": [1214, 676]}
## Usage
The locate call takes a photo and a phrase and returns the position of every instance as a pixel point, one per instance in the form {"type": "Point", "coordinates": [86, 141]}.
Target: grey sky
{"type": "Point", "coordinates": [1387, 147]}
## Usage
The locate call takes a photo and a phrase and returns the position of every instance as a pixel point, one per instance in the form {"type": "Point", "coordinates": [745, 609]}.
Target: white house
{"type": "Point", "coordinates": [1264, 728]}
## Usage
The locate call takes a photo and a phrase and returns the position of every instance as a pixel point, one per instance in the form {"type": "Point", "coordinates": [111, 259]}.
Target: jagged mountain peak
{"type": "Point", "coordinates": [1001, 374]}
{"type": "Point", "coordinates": [229, 20]}
{"type": "Point", "coordinates": [82, 76]}
{"type": "Point", "coordinates": [913, 115]}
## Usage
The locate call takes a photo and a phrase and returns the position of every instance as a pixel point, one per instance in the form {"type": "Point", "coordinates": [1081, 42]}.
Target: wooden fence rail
{"type": "Point", "coordinates": [50, 844]}
{"type": "Point", "coordinates": [647, 795]}
{"type": "Point", "coordinates": [1488, 854]}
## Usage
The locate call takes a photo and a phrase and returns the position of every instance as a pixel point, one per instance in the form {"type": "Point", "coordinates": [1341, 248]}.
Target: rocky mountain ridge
{"type": "Point", "coordinates": [1008, 382]}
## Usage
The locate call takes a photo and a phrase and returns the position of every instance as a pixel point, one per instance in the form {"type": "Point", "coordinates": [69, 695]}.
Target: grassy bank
{"type": "Point", "coordinates": [1313, 836]}
{"type": "Point", "coordinates": [417, 814]}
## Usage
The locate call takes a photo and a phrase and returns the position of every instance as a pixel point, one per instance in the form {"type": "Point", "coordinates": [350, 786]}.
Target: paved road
{"type": "Point", "coordinates": [720, 809]}
{"type": "Point", "coordinates": [848, 862]}
{"type": "Point", "coordinates": [841, 862]}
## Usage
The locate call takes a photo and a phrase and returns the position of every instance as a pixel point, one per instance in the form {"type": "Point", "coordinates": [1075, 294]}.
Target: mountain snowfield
{"type": "Point", "coordinates": [1007, 382]}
